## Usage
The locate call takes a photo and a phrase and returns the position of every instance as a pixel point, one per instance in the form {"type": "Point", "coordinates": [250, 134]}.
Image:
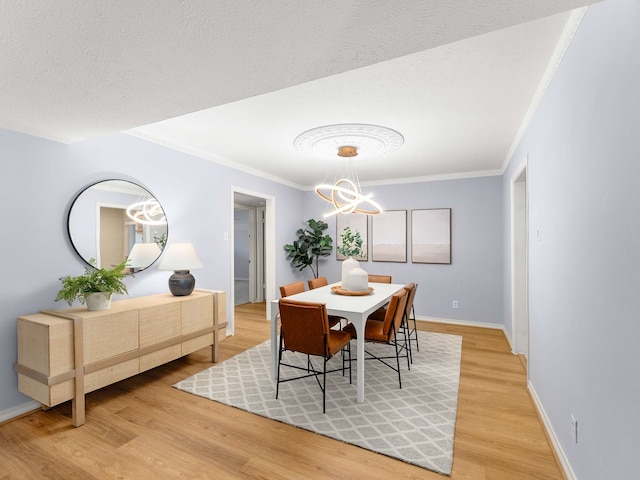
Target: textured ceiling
{"type": "Point", "coordinates": [437, 71]}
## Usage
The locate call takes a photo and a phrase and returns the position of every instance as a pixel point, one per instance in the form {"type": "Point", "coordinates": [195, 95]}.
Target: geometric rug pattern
{"type": "Point", "coordinates": [415, 424]}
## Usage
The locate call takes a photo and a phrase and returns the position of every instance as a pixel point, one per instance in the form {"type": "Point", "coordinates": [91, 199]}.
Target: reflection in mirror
{"type": "Point", "coordinates": [116, 219]}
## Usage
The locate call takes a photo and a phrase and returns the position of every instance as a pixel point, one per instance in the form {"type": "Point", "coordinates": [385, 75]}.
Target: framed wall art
{"type": "Point", "coordinates": [431, 236]}
{"type": "Point", "coordinates": [389, 236]}
{"type": "Point", "coordinates": [357, 223]}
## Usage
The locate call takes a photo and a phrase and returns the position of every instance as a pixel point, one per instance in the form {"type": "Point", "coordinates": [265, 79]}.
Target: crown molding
{"type": "Point", "coordinates": [566, 37]}
{"type": "Point", "coordinates": [212, 158]}
{"type": "Point", "coordinates": [429, 178]}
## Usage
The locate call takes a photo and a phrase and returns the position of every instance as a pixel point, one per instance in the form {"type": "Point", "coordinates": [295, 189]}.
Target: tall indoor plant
{"type": "Point", "coordinates": [312, 243]}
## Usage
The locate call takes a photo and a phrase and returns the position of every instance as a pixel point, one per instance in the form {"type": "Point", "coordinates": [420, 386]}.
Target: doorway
{"type": "Point", "coordinates": [252, 272]}
{"type": "Point", "coordinates": [248, 249]}
{"type": "Point", "coordinates": [520, 262]}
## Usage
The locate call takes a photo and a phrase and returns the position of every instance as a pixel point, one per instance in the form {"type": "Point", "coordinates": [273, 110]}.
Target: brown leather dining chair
{"type": "Point", "coordinates": [409, 315]}
{"type": "Point", "coordinates": [304, 328]}
{"type": "Point", "coordinates": [322, 282]}
{"type": "Point", "coordinates": [387, 332]}
{"type": "Point", "coordinates": [291, 289]}
{"type": "Point", "coordinates": [379, 278]}
{"type": "Point", "coordinates": [317, 282]}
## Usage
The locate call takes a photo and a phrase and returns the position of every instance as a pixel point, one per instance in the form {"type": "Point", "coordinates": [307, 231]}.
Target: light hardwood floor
{"type": "Point", "coordinates": [142, 428]}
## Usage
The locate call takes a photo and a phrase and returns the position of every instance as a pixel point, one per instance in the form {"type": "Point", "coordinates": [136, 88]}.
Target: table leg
{"type": "Point", "coordinates": [358, 324]}
{"type": "Point", "coordinates": [274, 339]}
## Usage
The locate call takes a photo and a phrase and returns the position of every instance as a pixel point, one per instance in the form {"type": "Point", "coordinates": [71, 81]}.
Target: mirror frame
{"type": "Point", "coordinates": [75, 230]}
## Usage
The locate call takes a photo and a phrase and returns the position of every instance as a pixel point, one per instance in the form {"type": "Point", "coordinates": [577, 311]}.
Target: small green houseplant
{"type": "Point", "coordinates": [351, 244]}
{"type": "Point", "coordinates": [312, 244]}
{"type": "Point", "coordinates": [106, 281]}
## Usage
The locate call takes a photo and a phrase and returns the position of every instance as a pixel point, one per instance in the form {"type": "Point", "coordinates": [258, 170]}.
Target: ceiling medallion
{"type": "Point", "coordinates": [347, 141]}
{"type": "Point", "coordinates": [369, 140]}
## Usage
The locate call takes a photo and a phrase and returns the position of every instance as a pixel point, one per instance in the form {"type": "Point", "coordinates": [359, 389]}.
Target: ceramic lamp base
{"type": "Point", "coordinates": [181, 283]}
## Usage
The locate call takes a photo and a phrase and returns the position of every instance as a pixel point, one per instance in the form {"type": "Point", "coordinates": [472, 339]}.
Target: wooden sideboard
{"type": "Point", "coordinates": [65, 354]}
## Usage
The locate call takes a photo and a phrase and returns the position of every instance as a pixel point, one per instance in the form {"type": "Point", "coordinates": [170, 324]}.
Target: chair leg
{"type": "Point", "coordinates": [407, 350]}
{"type": "Point", "coordinates": [349, 352]}
{"type": "Point", "coordinates": [324, 386]}
{"type": "Point", "coordinates": [405, 329]}
{"type": "Point", "coordinates": [395, 343]}
{"type": "Point", "coordinates": [347, 360]}
{"type": "Point", "coordinates": [279, 361]}
{"type": "Point", "coordinates": [415, 327]}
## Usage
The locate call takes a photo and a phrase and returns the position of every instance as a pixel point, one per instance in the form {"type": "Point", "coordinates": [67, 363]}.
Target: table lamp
{"type": "Point", "coordinates": [142, 255]}
{"type": "Point", "coordinates": [180, 257]}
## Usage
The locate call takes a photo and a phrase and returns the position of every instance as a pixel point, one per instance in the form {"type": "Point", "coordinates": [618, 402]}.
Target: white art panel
{"type": "Point", "coordinates": [389, 236]}
{"type": "Point", "coordinates": [431, 236]}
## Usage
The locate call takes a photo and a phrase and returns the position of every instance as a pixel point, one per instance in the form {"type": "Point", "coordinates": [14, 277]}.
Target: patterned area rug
{"type": "Point", "coordinates": [415, 424]}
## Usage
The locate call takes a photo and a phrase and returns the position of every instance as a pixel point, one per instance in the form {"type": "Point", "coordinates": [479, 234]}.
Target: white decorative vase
{"type": "Point", "coordinates": [358, 280]}
{"type": "Point", "coordinates": [97, 301]}
{"type": "Point", "coordinates": [348, 265]}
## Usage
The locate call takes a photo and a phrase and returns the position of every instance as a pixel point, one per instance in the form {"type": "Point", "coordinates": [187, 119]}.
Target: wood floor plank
{"type": "Point", "coordinates": [144, 428]}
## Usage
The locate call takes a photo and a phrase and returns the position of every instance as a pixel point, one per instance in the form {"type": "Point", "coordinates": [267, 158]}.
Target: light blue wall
{"type": "Point", "coordinates": [241, 244]}
{"type": "Point", "coordinates": [474, 277]}
{"type": "Point", "coordinates": [38, 183]}
{"type": "Point", "coordinates": [583, 146]}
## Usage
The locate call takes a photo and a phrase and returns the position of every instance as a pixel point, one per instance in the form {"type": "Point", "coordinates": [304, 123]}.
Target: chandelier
{"type": "Point", "coordinates": [347, 141]}
{"type": "Point", "coordinates": [147, 212]}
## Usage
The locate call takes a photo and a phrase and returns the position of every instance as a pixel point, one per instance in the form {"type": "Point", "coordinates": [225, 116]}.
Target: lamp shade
{"type": "Point", "coordinates": [143, 254]}
{"type": "Point", "coordinates": [180, 256]}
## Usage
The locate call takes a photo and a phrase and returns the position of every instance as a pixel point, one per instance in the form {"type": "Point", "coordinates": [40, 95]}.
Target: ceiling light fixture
{"type": "Point", "coordinates": [147, 212]}
{"type": "Point", "coordinates": [347, 140]}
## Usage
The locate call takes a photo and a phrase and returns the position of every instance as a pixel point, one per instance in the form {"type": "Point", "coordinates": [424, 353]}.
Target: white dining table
{"type": "Point", "coordinates": [356, 309]}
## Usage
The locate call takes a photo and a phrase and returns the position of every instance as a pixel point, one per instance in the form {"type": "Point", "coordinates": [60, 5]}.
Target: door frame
{"type": "Point", "coordinates": [259, 223]}
{"type": "Point", "coordinates": [269, 248]}
{"type": "Point", "coordinates": [520, 260]}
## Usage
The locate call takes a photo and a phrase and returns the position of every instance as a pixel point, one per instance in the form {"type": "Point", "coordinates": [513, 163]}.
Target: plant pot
{"type": "Point", "coordinates": [97, 301]}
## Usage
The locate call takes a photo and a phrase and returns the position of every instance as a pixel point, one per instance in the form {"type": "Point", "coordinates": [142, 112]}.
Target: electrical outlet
{"type": "Point", "coordinates": [455, 304]}
{"type": "Point", "coordinates": [574, 429]}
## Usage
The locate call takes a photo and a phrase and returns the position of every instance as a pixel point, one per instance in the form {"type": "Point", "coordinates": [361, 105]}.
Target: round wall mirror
{"type": "Point", "coordinates": [117, 219]}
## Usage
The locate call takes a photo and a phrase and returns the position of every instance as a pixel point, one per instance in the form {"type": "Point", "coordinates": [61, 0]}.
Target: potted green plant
{"type": "Point", "coordinates": [312, 244]}
{"type": "Point", "coordinates": [354, 278]}
{"type": "Point", "coordinates": [95, 286]}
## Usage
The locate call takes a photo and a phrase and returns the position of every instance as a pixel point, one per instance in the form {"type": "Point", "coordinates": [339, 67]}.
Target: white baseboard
{"type": "Point", "coordinates": [564, 461]}
{"type": "Point", "coordinates": [555, 443]}
{"type": "Point", "coordinates": [506, 334]}
{"type": "Point", "coordinates": [465, 323]}
{"type": "Point", "coordinates": [14, 412]}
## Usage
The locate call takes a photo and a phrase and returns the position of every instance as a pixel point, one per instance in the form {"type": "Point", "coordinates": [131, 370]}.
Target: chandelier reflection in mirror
{"type": "Point", "coordinates": [346, 141]}
{"type": "Point", "coordinates": [147, 212]}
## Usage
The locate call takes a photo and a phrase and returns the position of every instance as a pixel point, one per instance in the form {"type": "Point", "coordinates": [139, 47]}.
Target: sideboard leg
{"type": "Point", "coordinates": [214, 347]}
{"type": "Point", "coordinates": [77, 411]}
{"type": "Point", "coordinates": [77, 403]}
